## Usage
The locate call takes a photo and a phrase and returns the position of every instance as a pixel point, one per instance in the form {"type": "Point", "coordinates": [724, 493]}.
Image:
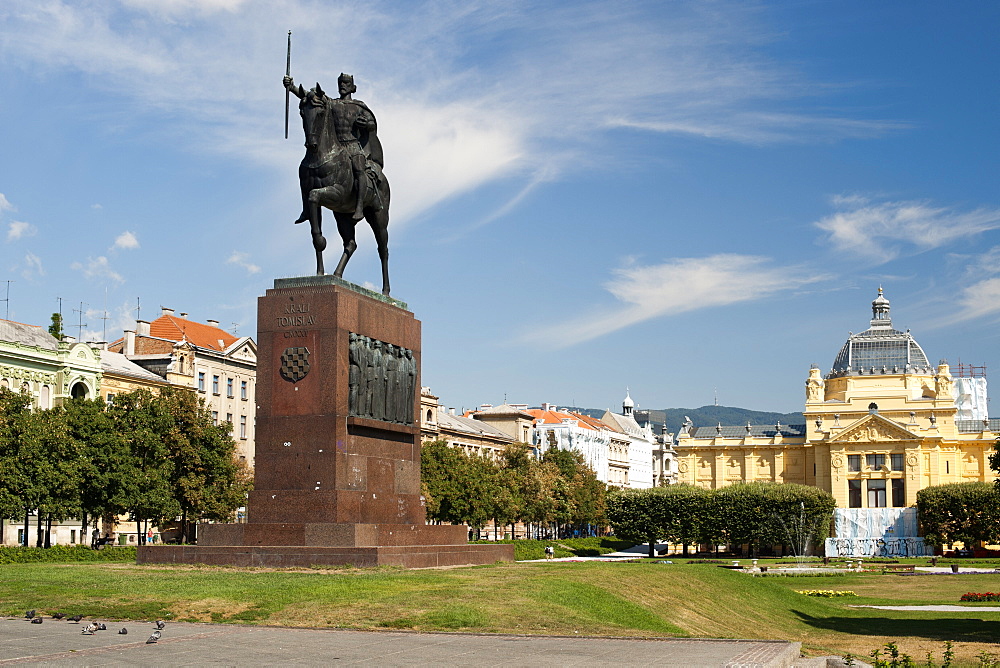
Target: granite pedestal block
{"type": "Point", "coordinates": [337, 466]}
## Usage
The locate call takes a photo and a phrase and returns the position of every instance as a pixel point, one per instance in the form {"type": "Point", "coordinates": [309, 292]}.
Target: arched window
{"type": "Point", "coordinates": [79, 391]}
{"type": "Point", "coordinates": [429, 415]}
{"type": "Point", "coordinates": [44, 398]}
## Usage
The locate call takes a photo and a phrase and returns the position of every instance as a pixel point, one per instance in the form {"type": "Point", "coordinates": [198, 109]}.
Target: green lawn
{"type": "Point", "coordinates": [593, 598]}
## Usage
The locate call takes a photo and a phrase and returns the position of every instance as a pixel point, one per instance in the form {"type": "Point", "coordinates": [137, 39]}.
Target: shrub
{"type": "Point", "coordinates": [61, 554]}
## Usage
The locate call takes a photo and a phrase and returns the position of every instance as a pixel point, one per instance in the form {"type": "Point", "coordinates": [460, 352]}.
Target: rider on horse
{"type": "Point", "coordinates": [355, 128]}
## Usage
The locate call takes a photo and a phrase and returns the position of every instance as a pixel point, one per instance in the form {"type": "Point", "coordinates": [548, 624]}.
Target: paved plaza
{"type": "Point", "coordinates": [60, 643]}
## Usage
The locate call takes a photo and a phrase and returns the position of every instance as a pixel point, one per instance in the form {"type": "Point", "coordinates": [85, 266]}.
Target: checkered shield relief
{"type": "Point", "coordinates": [295, 364]}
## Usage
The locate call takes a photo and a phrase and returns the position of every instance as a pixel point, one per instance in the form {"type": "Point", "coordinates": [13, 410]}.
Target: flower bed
{"type": "Point", "coordinates": [824, 593]}
{"type": "Point", "coordinates": [988, 596]}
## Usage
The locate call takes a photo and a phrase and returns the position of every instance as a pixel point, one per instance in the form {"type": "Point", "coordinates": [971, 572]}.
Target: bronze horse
{"type": "Point", "coordinates": [327, 180]}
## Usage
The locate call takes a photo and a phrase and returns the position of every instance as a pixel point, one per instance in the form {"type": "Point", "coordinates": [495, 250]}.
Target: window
{"type": "Point", "coordinates": [947, 467]}
{"type": "Point", "coordinates": [201, 381]}
{"type": "Point", "coordinates": [243, 390]}
{"type": "Point", "coordinates": [854, 493]}
{"type": "Point", "coordinates": [111, 398]}
{"type": "Point", "coordinates": [215, 417]}
{"type": "Point", "coordinates": [876, 493]}
{"type": "Point", "coordinates": [72, 535]}
{"type": "Point", "coordinates": [243, 426]}
{"type": "Point", "coordinates": [229, 418]}
{"type": "Point", "coordinates": [875, 461]}
{"type": "Point", "coordinates": [215, 384]}
{"type": "Point", "coordinates": [898, 493]}
{"type": "Point", "coordinates": [896, 461]}
{"type": "Point", "coordinates": [229, 387]}
{"type": "Point", "coordinates": [854, 465]}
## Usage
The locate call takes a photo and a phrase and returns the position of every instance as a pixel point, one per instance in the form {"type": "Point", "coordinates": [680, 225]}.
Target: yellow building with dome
{"type": "Point", "coordinates": [883, 424]}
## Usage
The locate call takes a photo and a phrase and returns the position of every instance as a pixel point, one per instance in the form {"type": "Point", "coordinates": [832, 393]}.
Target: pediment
{"type": "Point", "coordinates": [872, 429]}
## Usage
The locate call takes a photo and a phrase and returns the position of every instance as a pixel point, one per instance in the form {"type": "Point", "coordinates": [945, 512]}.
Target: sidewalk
{"type": "Point", "coordinates": [59, 643]}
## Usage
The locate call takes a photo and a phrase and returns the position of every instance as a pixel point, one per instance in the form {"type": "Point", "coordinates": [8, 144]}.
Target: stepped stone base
{"type": "Point", "coordinates": [286, 556]}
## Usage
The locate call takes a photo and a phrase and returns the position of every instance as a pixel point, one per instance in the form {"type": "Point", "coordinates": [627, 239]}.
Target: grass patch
{"type": "Point", "coordinates": [638, 599]}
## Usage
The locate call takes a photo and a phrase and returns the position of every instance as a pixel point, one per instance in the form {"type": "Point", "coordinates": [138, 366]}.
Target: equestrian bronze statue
{"type": "Point", "coordinates": [342, 170]}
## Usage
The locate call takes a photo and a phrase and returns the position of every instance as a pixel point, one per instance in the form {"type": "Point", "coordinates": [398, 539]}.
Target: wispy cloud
{"type": "Point", "coordinates": [5, 205]}
{"type": "Point", "coordinates": [18, 230]}
{"type": "Point", "coordinates": [125, 241]}
{"type": "Point", "coordinates": [980, 293]}
{"type": "Point", "coordinates": [465, 92]}
{"type": "Point", "coordinates": [31, 267]}
{"type": "Point", "coordinates": [881, 231]}
{"type": "Point", "coordinates": [241, 259]}
{"type": "Point", "coordinates": [677, 286]}
{"type": "Point", "coordinates": [98, 267]}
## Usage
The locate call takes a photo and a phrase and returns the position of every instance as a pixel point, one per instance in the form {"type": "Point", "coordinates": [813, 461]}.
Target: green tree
{"type": "Point", "coordinates": [56, 327]}
{"type": "Point", "coordinates": [967, 512]}
{"type": "Point", "coordinates": [146, 423]}
{"type": "Point", "coordinates": [442, 474]}
{"type": "Point", "coordinates": [55, 464]}
{"type": "Point", "coordinates": [766, 513]}
{"type": "Point", "coordinates": [19, 493]}
{"type": "Point", "coordinates": [639, 515]}
{"type": "Point", "coordinates": [206, 479]}
{"type": "Point", "coordinates": [104, 485]}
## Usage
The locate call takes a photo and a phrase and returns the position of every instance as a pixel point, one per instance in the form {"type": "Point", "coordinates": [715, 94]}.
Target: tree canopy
{"type": "Point", "coordinates": [153, 457]}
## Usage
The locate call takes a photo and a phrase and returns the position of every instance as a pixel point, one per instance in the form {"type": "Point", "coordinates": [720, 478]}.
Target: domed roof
{"type": "Point", "coordinates": [880, 349]}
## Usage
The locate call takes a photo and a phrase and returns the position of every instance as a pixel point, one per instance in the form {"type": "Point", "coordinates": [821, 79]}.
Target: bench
{"type": "Point", "coordinates": [900, 568]}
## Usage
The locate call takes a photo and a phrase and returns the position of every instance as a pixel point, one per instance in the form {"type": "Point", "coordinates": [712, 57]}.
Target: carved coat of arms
{"type": "Point", "coordinates": [294, 364]}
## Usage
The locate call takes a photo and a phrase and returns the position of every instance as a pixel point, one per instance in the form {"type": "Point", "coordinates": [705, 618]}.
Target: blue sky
{"type": "Point", "coordinates": [679, 197]}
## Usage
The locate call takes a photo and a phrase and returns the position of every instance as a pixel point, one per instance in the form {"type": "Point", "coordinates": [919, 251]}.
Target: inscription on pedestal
{"type": "Point", "coordinates": [382, 380]}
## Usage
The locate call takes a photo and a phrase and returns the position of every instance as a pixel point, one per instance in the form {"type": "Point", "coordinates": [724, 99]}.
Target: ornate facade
{"type": "Point", "coordinates": [880, 426]}
{"type": "Point", "coordinates": [50, 371]}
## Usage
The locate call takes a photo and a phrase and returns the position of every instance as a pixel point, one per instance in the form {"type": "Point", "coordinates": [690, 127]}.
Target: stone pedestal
{"type": "Point", "coordinates": [337, 467]}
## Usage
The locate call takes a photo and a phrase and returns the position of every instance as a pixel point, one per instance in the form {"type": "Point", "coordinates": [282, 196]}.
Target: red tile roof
{"type": "Point", "coordinates": [556, 417]}
{"type": "Point", "coordinates": [205, 336]}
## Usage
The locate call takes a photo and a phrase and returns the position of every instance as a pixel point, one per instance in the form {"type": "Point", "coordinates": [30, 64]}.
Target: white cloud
{"type": "Point", "coordinates": [18, 230]}
{"type": "Point", "coordinates": [5, 205]}
{"type": "Point", "coordinates": [98, 268]}
{"type": "Point", "coordinates": [243, 260]}
{"type": "Point", "coordinates": [169, 9]}
{"type": "Point", "coordinates": [980, 292]}
{"type": "Point", "coordinates": [881, 231]}
{"type": "Point", "coordinates": [465, 93]}
{"type": "Point", "coordinates": [126, 241]}
{"type": "Point", "coordinates": [32, 267]}
{"type": "Point", "coordinates": [673, 287]}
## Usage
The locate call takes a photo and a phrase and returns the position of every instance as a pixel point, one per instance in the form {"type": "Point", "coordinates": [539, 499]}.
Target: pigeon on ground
{"type": "Point", "coordinates": [58, 615]}
{"type": "Point", "coordinates": [76, 618]}
{"type": "Point", "coordinates": [123, 632]}
{"type": "Point", "coordinates": [29, 614]}
{"type": "Point", "coordinates": [101, 627]}
{"type": "Point", "coordinates": [89, 629]}
{"type": "Point", "coordinates": [153, 637]}
{"type": "Point", "coordinates": [36, 620]}
{"type": "Point", "coordinates": [160, 624]}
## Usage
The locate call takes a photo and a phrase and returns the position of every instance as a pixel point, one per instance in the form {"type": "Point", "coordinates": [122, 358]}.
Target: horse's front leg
{"type": "Point", "coordinates": [379, 220]}
{"type": "Point", "coordinates": [315, 212]}
{"type": "Point", "coordinates": [345, 225]}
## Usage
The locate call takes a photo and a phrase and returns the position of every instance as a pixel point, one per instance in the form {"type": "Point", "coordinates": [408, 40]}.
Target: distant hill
{"type": "Point", "coordinates": [707, 416]}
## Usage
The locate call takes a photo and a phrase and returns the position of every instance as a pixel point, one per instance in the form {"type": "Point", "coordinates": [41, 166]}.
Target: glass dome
{"type": "Point", "coordinates": [880, 349]}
